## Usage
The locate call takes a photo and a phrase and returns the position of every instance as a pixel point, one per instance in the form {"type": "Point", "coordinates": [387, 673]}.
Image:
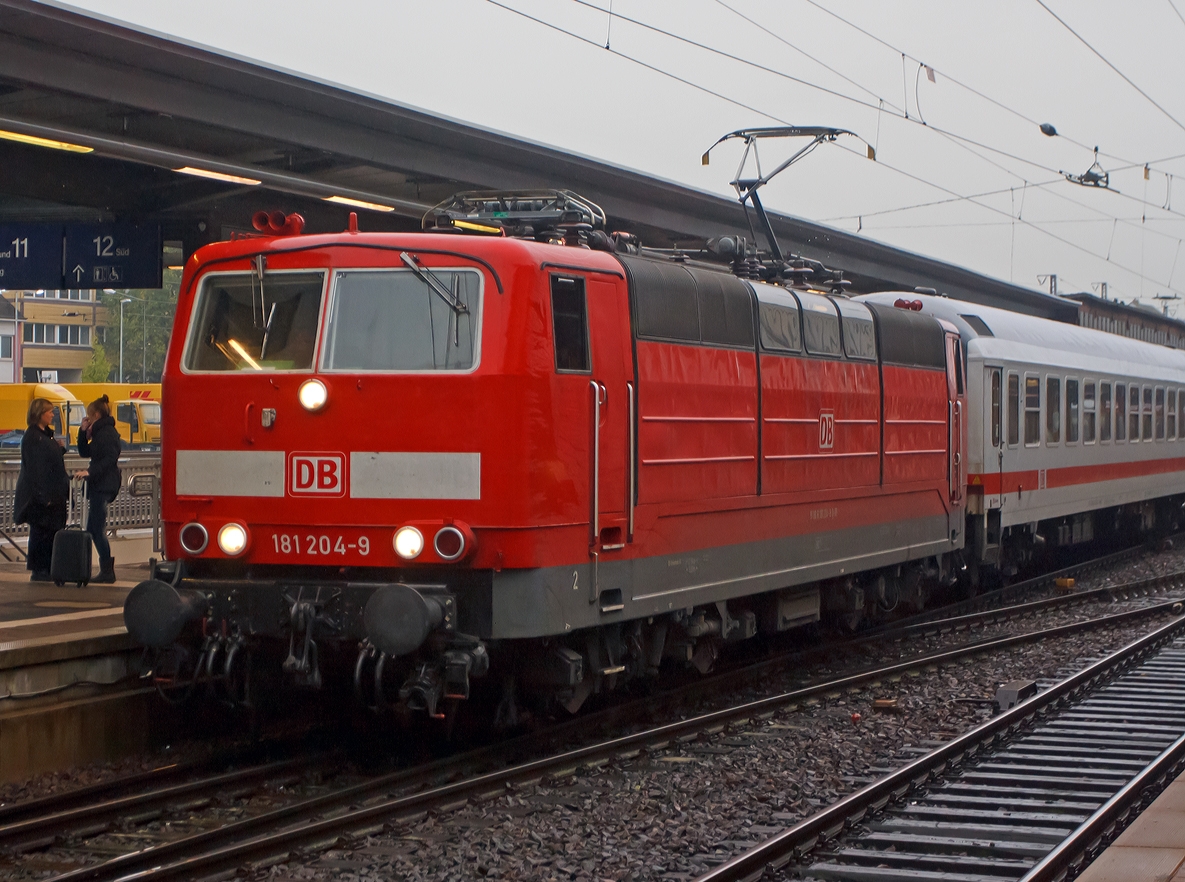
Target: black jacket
{"type": "Point", "coordinates": [43, 487]}
{"type": "Point", "coordinates": [103, 449]}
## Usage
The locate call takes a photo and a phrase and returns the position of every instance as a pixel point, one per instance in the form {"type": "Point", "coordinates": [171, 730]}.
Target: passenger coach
{"type": "Point", "coordinates": [1074, 433]}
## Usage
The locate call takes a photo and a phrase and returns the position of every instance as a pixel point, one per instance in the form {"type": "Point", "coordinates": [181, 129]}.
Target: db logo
{"type": "Point", "coordinates": [826, 429]}
{"type": "Point", "coordinates": [316, 474]}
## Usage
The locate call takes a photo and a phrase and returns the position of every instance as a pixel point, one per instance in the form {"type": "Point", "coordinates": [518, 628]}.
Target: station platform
{"type": "Point", "coordinates": [1151, 849]}
{"type": "Point", "coordinates": [69, 693]}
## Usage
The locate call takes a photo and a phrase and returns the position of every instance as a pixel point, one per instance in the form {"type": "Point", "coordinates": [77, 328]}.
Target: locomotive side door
{"type": "Point", "coordinates": [956, 393]}
{"type": "Point", "coordinates": [591, 318]}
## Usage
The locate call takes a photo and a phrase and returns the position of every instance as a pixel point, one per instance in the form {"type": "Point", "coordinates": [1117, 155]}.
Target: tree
{"type": "Point", "coordinates": [98, 369]}
{"type": "Point", "coordinates": [147, 324]}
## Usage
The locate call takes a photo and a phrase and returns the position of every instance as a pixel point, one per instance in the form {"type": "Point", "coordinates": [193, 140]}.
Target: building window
{"type": "Point", "coordinates": [5, 345]}
{"type": "Point", "coordinates": [64, 335]}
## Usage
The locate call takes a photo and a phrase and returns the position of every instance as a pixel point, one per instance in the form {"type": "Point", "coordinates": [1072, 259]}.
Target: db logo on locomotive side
{"type": "Point", "coordinates": [826, 429]}
{"type": "Point", "coordinates": [316, 474]}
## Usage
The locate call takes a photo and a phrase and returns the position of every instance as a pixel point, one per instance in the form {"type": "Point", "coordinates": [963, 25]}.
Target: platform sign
{"type": "Point", "coordinates": [30, 256]}
{"type": "Point", "coordinates": [112, 256]}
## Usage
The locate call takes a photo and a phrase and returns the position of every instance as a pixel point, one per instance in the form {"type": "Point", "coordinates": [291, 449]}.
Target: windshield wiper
{"type": "Point", "coordinates": [434, 284]}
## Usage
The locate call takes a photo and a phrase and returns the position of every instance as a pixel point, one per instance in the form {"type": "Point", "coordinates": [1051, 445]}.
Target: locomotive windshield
{"type": "Point", "coordinates": [241, 325]}
{"type": "Point", "coordinates": [392, 320]}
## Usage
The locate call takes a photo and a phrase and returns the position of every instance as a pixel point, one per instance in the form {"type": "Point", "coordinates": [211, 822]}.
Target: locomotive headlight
{"type": "Point", "coordinates": [408, 542]}
{"type": "Point", "coordinates": [232, 539]}
{"type": "Point", "coordinates": [313, 395]}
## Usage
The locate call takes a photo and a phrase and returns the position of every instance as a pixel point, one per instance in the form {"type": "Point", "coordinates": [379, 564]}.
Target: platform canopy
{"type": "Point", "coordinates": [146, 105]}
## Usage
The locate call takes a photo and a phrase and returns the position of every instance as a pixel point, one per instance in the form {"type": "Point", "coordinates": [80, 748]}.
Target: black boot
{"type": "Point", "coordinates": [106, 572]}
{"type": "Point", "coordinates": [40, 576]}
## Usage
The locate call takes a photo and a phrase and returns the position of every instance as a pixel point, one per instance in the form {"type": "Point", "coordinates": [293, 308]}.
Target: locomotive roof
{"type": "Point", "coordinates": [1000, 333]}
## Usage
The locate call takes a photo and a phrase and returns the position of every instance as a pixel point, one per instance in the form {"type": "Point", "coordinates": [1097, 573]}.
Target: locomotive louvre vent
{"type": "Point", "coordinates": [909, 338]}
{"type": "Point", "coordinates": [689, 304]}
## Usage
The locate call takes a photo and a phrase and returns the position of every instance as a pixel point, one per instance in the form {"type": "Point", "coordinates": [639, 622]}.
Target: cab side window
{"type": "Point", "coordinates": [569, 324]}
{"type": "Point", "coordinates": [124, 413]}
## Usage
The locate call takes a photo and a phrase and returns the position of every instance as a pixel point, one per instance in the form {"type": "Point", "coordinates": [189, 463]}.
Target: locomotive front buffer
{"type": "Point", "coordinates": [403, 632]}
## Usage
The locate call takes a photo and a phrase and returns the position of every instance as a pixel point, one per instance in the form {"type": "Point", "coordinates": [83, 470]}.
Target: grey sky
{"type": "Point", "coordinates": [475, 61]}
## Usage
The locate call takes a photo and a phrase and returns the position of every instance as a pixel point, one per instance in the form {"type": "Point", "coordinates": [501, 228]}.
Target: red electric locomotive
{"type": "Point", "coordinates": [411, 456]}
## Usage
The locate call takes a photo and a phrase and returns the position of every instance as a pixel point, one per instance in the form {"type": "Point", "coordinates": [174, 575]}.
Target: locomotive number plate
{"type": "Point", "coordinates": [308, 544]}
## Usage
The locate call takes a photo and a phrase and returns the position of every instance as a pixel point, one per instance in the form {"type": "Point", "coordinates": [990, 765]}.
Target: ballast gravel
{"type": "Point", "coordinates": [672, 813]}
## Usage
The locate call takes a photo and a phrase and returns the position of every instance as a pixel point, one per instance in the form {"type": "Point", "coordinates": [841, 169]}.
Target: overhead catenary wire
{"type": "Point", "coordinates": [903, 113]}
{"type": "Point", "coordinates": [771, 116]}
{"type": "Point", "coordinates": [1103, 58]}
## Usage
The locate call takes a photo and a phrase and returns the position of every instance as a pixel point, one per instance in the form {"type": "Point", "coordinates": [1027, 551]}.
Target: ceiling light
{"type": "Point", "coordinates": [358, 203]}
{"type": "Point", "coordinates": [217, 176]}
{"type": "Point", "coordinates": [45, 142]}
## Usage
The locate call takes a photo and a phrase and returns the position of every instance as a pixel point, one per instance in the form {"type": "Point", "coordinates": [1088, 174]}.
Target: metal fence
{"type": "Point", "coordinates": [137, 506]}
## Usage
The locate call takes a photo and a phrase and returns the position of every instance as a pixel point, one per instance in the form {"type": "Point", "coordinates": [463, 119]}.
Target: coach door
{"type": "Point", "coordinates": [955, 395]}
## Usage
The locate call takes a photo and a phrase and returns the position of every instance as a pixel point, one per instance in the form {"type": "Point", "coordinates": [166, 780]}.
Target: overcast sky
{"type": "Point", "coordinates": [797, 62]}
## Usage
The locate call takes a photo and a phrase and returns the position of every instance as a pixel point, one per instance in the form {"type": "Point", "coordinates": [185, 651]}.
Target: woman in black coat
{"type": "Point", "coordinates": [42, 489]}
{"type": "Point", "coordinates": [98, 440]}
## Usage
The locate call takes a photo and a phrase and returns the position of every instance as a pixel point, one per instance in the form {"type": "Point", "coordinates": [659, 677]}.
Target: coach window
{"type": "Point", "coordinates": [1088, 411]}
{"type": "Point", "coordinates": [569, 323]}
{"type": "Point", "coordinates": [1071, 411]}
{"type": "Point", "coordinates": [1053, 410]}
{"type": "Point", "coordinates": [820, 325]}
{"type": "Point", "coordinates": [1147, 413]}
{"type": "Point", "coordinates": [1013, 410]}
{"type": "Point", "coordinates": [1032, 410]}
{"type": "Point", "coordinates": [1171, 414]}
{"type": "Point", "coordinates": [995, 404]}
{"type": "Point", "coordinates": [1120, 412]}
{"type": "Point", "coordinates": [1133, 413]}
{"type": "Point", "coordinates": [1158, 413]}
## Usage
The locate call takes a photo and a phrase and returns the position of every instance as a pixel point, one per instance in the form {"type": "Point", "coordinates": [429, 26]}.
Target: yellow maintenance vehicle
{"type": "Point", "coordinates": [15, 398]}
{"type": "Point", "coordinates": [135, 406]}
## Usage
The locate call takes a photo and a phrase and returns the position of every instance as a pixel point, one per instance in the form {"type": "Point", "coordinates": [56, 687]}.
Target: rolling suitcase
{"type": "Point", "coordinates": [72, 552]}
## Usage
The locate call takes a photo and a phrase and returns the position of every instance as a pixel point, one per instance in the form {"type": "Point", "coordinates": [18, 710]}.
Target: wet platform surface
{"type": "Point", "coordinates": [1151, 849]}
{"type": "Point", "coordinates": [38, 614]}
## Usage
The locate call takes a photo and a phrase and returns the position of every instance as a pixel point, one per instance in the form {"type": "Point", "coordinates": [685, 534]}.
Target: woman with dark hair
{"type": "Point", "coordinates": [98, 440]}
{"type": "Point", "coordinates": [42, 489]}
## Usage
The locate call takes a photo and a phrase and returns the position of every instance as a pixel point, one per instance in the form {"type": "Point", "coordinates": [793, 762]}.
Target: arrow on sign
{"type": "Point", "coordinates": [78, 272]}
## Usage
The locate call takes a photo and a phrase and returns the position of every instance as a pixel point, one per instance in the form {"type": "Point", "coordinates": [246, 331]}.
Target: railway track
{"type": "Point", "coordinates": [1030, 794]}
{"type": "Point", "coordinates": [311, 825]}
